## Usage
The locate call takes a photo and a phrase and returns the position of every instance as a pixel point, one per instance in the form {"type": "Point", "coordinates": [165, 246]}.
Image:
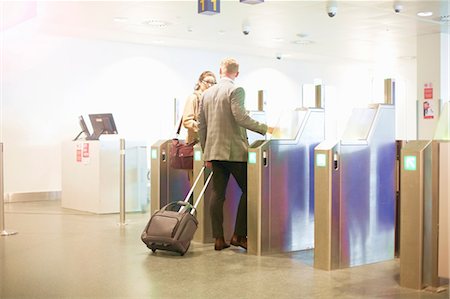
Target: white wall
{"type": "Point", "coordinates": [48, 81]}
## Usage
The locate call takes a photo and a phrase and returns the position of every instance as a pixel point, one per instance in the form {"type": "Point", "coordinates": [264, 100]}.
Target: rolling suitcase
{"type": "Point", "coordinates": [173, 226]}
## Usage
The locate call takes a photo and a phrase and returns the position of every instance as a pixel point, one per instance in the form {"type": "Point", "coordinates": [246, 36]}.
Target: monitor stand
{"type": "Point", "coordinates": [95, 135]}
{"type": "Point", "coordinates": [78, 136]}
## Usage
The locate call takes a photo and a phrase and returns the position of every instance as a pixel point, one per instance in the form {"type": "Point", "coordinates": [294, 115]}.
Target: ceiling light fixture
{"type": "Point", "coordinates": [156, 23]}
{"type": "Point", "coordinates": [425, 13]}
{"type": "Point", "coordinates": [278, 39]}
{"type": "Point", "coordinates": [303, 42]}
{"type": "Point", "coordinates": [251, 1]}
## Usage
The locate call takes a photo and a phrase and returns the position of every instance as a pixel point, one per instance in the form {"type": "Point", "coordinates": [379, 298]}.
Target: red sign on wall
{"type": "Point", "coordinates": [428, 93]}
{"type": "Point", "coordinates": [78, 154]}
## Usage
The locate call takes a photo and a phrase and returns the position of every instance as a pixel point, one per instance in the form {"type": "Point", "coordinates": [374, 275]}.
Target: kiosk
{"type": "Point", "coordinates": [355, 192]}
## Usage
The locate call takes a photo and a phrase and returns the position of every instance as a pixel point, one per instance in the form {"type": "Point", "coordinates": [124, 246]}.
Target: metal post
{"type": "Point", "coordinates": [3, 231]}
{"type": "Point", "coordinates": [318, 96]}
{"type": "Point", "coordinates": [122, 182]}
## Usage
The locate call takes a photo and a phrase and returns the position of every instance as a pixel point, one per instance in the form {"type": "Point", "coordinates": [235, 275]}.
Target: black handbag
{"type": "Point", "coordinates": [181, 153]}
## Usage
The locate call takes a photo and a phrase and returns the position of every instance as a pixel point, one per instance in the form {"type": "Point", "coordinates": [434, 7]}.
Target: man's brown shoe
{"type": "Point", "coordinates": [239, 241]}
{"type": "Point", "coordinates": [220, 244]}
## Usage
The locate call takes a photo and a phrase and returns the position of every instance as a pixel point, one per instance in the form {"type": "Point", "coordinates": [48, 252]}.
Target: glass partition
{"type": "Point", "coordinates": [289, 124]}
{"type": "Point", "coordinates": [359, 124]}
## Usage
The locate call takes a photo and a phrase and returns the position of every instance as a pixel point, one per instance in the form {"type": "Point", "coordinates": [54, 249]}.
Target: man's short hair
{"type": "Point", "coordinates": [229, 66]}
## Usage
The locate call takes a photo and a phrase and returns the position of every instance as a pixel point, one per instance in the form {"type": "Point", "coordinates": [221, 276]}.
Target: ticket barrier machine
{"type": "Point", "coordinates": [280, 185]}
{"type": "Point", "coordinates": [425, 197]}
{"type": "Point", "coordinates": [355, 192]}
{"type": "Point", "coordinates": [166, 184]}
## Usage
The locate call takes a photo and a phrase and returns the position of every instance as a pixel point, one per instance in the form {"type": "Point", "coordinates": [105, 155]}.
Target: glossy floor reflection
{"type": "Point", "coordinates": [60, 253]}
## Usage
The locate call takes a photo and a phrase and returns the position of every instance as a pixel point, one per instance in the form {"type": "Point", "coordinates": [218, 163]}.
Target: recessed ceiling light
{"type": "Point", "coordinates": [302, 35]}
{"type": "Point", "coordinates": [278, 39]}
{"type": "Point", "coordinates": [156, 23]}
{"type": "Point", "coordinates": [425, 13]}
{"type": "Point", "coordinates": [303, 42]}
{"type": "Point", "coordinates": [221, 32]}
{"type": "Point", "coordinates": [158, 42]}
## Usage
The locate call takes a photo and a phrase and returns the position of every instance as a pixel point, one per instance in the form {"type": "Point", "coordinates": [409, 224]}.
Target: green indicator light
{"type": "Point", "coordinates": [410, 163]}
{"type": "Point", "coordinates": [154, 154]}
{"type": "Point", "coordinates": [321, 160]}
{"type": "Point", "coordinates": [197, 155]}
{"type": "Point", "coordinates": [252, 157]}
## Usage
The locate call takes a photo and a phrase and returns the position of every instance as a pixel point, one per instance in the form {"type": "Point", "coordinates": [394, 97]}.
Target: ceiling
{"type": "Point", "coordinates": [361, 30]}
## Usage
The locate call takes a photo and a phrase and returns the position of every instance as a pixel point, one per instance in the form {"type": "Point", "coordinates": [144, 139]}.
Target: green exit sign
{"type": "Point", "coordinates": [321, 160]}
{"type": "Point", "coordinates": [410, 163]}
{"type": "Point", "coordinates": [197, 155]}
{"type": "Point", "coordinates": [252, 157]}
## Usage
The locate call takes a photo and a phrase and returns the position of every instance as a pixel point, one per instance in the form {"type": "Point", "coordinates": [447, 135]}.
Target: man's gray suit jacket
{"type": "Point", "coordinates": [223, 121]}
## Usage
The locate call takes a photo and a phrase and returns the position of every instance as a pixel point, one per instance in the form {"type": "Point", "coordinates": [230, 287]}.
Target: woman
{"type": "Point", "coordinates": [191, 108]}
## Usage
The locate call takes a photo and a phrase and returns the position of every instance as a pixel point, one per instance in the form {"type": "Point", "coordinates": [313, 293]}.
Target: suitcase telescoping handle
{"type": "Point", "coordinates": [186, 199]}
{"type": "Point", "coordinates": [201, 193]}
{"type": "Point", "coordinates": [185, 204]}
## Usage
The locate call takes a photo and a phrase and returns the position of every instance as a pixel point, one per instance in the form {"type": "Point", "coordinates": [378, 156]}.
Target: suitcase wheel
{"type": "Point", "coordinates": [153, 249]}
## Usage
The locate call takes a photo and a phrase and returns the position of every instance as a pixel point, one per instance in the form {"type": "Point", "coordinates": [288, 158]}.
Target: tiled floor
{"type": "Point", "coordinates": [60, 253]}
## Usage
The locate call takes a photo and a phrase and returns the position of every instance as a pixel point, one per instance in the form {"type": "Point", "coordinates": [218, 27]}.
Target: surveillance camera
{"type": "Point", "coordinates": [398, 7]}
{"type": "Point", "coordinates": [332, 8]}
{"type": "Point", "coordinates": [278, 56]}
{"type": "Point", "coordinates": [246, 29]}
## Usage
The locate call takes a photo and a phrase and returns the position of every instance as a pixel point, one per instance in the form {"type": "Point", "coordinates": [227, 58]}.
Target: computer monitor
{"type": "Point", "coordinates": [102, 124]}
{"type": "Point", "coordinates": [84, 128]}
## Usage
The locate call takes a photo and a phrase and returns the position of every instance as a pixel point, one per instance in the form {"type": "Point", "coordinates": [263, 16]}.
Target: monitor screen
{"type": "Point", "coordinates": [102, 124]}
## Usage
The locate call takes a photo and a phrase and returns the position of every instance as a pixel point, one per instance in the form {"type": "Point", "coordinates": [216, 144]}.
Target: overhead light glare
{"type": "Point", "coordinates": [120, 20]}
{"type": "Point", "coordinates": [425, 13]}
{"type": "Point", "coordinates": [278, 39]}
{"type": "Point", "coordinates": [406, 57]}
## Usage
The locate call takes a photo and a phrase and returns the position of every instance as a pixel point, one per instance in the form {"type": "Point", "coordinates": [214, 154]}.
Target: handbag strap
{"type": "Point", "coordinates": [179, 126]}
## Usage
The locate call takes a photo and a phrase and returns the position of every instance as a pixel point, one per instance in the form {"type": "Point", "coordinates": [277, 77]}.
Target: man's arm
{"type": "Point", "coordinates": [241, 116]}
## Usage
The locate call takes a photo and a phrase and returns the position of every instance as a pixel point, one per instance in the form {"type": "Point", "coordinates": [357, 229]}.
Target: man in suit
{"type": "Point", "coordinates": [223, 121]}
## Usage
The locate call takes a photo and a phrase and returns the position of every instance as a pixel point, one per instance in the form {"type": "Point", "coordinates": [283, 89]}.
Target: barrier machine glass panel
{"type": "Point", "coordinates": [356, 191]}
{"type": "Point", "coordinates": [280, 189]}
